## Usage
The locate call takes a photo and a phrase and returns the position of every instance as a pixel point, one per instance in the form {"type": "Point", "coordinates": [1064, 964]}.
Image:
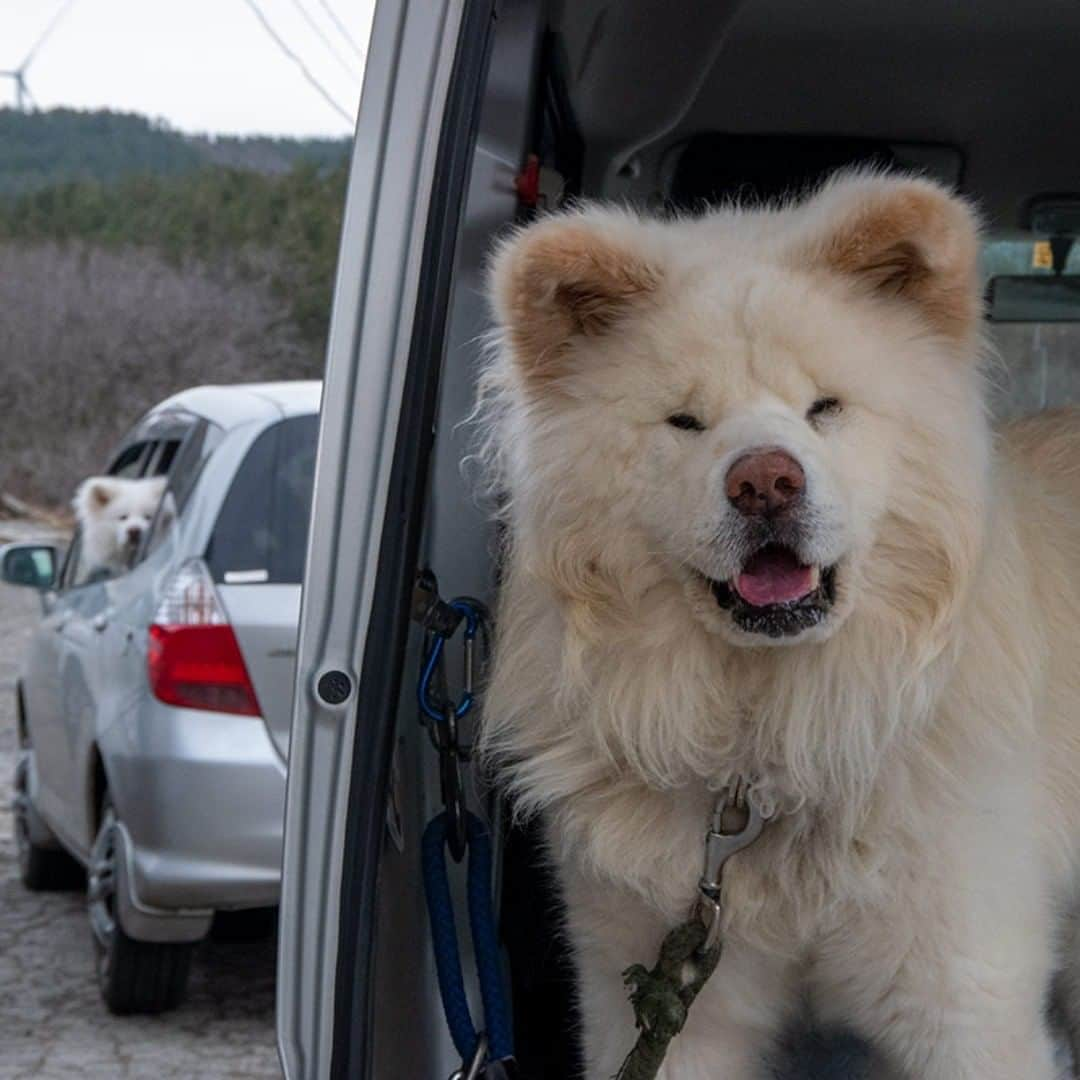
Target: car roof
{"type": "Point", "coordinates": [239, 403]}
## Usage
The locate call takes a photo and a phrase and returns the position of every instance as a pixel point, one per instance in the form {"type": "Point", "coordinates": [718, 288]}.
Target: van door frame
{"type": "Point", "coordinates": [375, 441]}
{"type": "Point", "coordinates": [384, 650]}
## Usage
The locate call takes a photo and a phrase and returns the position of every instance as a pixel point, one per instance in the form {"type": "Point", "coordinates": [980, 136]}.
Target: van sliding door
{"type": "Point", "coordinates": [414, 139]}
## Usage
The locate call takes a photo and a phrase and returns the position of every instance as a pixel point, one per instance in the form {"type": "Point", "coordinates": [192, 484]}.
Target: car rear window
{"type": "Point", "coordinates": [1040, 370]}
{"type": "Point", "coordinates": [261, 531]}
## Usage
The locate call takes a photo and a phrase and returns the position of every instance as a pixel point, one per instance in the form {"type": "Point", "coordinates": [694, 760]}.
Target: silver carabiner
{"type": "Point", "coordinates": [477, 1063]}
{"type": "Point", "coordinates": [727, 837]}
{"type": "Point", "coordinates": [736, 823]}
{"type": "Point", "coordinates": [470, 650]}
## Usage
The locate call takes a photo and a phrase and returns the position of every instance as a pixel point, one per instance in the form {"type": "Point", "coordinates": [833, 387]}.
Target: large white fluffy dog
{"type": "Point", "coordinates": [761, 528]}
{"type": "Point", "coordinates": [114, 515]}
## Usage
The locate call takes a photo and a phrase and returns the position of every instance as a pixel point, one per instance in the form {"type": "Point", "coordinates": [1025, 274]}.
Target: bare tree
{"type": "Point", "coordinates": [90, 338]}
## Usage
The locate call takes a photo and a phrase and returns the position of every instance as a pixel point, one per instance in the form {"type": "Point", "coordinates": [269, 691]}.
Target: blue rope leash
{"type": "Point", "coordinates": [489, 1055]}
{"type": "Point", "coordinates": [484, 938]}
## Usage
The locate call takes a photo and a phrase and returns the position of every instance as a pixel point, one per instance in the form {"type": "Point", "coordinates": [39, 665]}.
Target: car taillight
{"type": "Point", "coordinates": [193, 657]}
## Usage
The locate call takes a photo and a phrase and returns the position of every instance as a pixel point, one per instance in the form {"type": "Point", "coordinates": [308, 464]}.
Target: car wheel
{"type": "Point", "coordinates": [134, 976]}
{"type": "Point", "coordinates": [40, 868]}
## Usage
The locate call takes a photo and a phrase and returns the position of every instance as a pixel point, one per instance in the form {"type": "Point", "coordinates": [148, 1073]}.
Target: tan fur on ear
{"type": "Point", "coordinates": [99, 494]}
{"type": "Point", "coordinates": [904, 238]}
{"type": "Point", "coordinates": [563, 278]}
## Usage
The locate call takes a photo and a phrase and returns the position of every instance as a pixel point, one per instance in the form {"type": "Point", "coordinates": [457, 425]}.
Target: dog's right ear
{"type": "Point", "coordinates": [564, 279]}
{"type": "Point", "coordinates": [94, 493]}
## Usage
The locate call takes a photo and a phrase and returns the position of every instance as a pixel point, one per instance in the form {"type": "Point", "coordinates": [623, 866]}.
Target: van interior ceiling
{"type": "Point", "coordinates": [989, 85]}
{"type": "Point", "coordinates": [682, 104]}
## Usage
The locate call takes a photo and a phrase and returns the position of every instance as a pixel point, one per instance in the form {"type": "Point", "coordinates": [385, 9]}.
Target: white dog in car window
{"type": "Point", "coordinates": [114, 515]}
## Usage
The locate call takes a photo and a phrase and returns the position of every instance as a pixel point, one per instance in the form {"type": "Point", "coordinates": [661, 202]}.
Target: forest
{"type": "Point", "coordinates": [41, 148]}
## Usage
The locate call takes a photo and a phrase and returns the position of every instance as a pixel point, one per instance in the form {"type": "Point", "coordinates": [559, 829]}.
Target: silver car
{"type": "Point", "coordinates": [154, 705]}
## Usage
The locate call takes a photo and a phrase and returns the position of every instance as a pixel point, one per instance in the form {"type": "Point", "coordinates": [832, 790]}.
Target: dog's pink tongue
{"type": "Point", "coordinates": [774, 576]}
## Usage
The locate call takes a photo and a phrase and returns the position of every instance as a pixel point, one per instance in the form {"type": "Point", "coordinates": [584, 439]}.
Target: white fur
{"type": "Point", "coordinates": [114, 515]}
{"type": "Point", "coordinates": [922, 744]}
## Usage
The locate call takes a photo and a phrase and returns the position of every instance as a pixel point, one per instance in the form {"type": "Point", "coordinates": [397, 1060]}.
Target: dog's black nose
{"type": "Point", "coordinates": [764, 483]}
{"type": "Point", "coordinates": [134, 534]}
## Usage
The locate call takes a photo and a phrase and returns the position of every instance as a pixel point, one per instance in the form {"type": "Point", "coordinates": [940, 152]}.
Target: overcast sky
{"type": "Point", "coordinates": [202, 65]}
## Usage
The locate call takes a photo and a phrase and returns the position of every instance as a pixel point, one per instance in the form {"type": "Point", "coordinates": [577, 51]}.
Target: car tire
{"type": "Point", "coordinates": [133, 976]}
{"type": "Point", "coordinates": [41, 868]}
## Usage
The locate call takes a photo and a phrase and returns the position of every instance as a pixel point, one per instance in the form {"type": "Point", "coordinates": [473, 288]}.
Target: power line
{"type": "Point", "coordinates": [324, 4]}
{"type": "Point", "coordinates": [297, 61]}
{"type": "Point", "coordinates": [349, 69]}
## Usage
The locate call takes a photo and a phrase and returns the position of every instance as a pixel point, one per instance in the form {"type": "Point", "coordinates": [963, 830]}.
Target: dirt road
{"type": "Point", "coordinates": [52, 1023]}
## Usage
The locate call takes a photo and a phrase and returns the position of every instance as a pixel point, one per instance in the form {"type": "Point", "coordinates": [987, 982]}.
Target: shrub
{"type": "Point", "coordinates": [91, 337]}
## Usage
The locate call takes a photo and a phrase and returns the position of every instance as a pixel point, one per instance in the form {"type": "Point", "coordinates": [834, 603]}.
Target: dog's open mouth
{"type": "Point", "coordinates": [776, 594]}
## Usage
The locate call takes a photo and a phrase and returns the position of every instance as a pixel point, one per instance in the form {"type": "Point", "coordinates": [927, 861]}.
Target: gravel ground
{"type": "Point", "coordinates": [53, 1025]}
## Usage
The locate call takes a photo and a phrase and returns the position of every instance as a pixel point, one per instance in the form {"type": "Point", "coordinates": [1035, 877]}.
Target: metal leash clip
{"type": "Point", "coordinates": [442, 714]}
{"type": "Point", "coordinates": [481, 1068]}
{"type": "Point", "coordinates": [430, 702]}
{"type": "Point", "coordinates": [473, 1070]}
{"type": "Point", "coordinates": [737, 822]}
{"type": "Point", "coordinates": [451, 757]}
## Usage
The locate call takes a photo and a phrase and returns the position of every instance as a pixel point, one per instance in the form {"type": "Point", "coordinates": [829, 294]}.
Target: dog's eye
{"type": "Point", "coordinates": [825, 406]}
{"type": "Point", "coordinates": [685, 422]}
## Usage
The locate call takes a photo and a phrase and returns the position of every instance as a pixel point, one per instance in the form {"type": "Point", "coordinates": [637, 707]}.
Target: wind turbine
{"type": "Point", "coordinates": [23, 97]}
{"type": "Point", "coordinates": [22, 91]}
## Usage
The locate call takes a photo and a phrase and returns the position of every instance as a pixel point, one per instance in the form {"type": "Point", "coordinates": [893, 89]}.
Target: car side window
{"type": "Point", "coordinates": [137, 460]}
{"type": "Point", "coordinates": [74, 572]}
{"type": "Point", "coordinates": [131, 461]}
{"type": "Point", "coordinates": [184, 463]}
{"type": "Point", "coordinates": [164, 454]}
{"type": "Point", "coordinates": [170, 444]}
{"type": "Point", "coordinates": [70, 558]}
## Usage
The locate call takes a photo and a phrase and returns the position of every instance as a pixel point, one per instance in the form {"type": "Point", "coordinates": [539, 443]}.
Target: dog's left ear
{"type": "Point", "coordinates": [901, 238]}
{"type": "Point", "coordinates": [565, 279]}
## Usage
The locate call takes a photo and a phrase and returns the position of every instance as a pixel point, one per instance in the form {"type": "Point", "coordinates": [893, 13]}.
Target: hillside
{"type": "Point", "coordinates": [38, 149]}
{"type": "Point", "coordinates": [134, 262]}
{"type": "Point", "coordinates": [282, 227]}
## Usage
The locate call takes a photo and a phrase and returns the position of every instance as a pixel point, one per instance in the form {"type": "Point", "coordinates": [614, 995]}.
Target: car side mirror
{"type": "Point", "coordinates": [30, 565]}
